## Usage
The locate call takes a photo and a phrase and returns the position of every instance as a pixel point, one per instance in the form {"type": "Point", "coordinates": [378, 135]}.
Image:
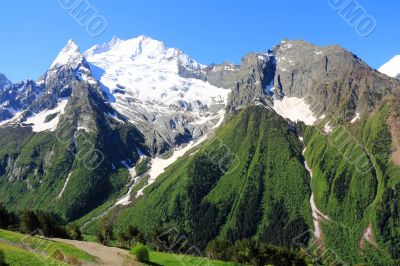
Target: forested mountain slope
{"type": "Point", "coordinates": [247, 181]}
{"type": "Point", "coordinates": [300, 144]}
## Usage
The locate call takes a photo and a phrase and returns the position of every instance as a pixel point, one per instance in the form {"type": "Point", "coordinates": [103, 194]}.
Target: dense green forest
{"type": "Point", "coordinates": [34, 167]}
{"type": "Point", "coordinates": [248, 181]}
{"type": "Point", "coordinates": [356, 184]}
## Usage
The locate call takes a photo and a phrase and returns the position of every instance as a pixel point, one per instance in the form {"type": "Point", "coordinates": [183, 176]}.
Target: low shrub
{"type": "Point", "coordinates": [141, 252]}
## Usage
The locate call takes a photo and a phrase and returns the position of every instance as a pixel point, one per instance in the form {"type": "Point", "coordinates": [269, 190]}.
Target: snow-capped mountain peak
{"type": "Point", "coordinates": [70, 55]}
{"type": "Point", "coordinates": [392, 67]}
{"type": "Point", "coordinates": [102, 48]}
{"type": "Point", "coordinates": [143, 66]}
{"type": "Point", "coordinates": [141, 50]}
{"type": "Point", "coordinates": [156, 87]}
{"type": "Point", "coordinates": [160, 90]}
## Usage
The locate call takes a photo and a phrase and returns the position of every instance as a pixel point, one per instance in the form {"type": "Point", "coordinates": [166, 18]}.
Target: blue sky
{"type": "Point", "coordinates": [210, 31]}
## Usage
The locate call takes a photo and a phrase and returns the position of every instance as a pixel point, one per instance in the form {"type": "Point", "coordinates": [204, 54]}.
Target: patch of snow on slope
{"type": "Point", "coordinates": [391, 68]}
{"type": "Point", "coordinates": [158, 165]}
{"type": "Point", "coordinates": [132, 171]}
{"type": "Point", "coordinates": [295, 109]}
{"type": "Point", "coordinates": [37, 121]}
{"type": "Point", "coordinates": [327, 128]}
{"type": "Point", "coordinates": [126, 199]}
{"type": "Point", "coordinates": [65, 185]}
{"type": "Point", "coordinates": [12, 120]}
{"type": "Point", "coordinates": [87, 130]}
{"type": "Point", "coordinates": [115, 117]}
{"type": "Point", "coordinates": [357, 117]}
{"type": "Point", "coordinates": [221, 115]}
{"type": "Point", "coordinates": [317, 215]}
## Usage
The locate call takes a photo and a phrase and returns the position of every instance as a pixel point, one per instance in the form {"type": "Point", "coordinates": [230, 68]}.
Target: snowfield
{"type": "Point", "coordinates": [158, 165]}
{"type": "Point", "coordinates": [391, 68]}
{"type": "Point", "coordinates": [65, 186]}
{"type": "Point", "coordinates": [141, 75]}
{"type": "Point", "coordinates": [126, 199]}
{"type": "Point", "coordinates": [38, 123]}
{"type": "Point", "coordinates": [294, 109]}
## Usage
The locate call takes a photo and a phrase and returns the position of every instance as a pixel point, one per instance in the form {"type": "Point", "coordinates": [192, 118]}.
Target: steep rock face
{"type": "Point", "coordinates": [252, 80]}
{"type": "Point", "coordinates": [15, 98]}
{"type": "Point", "coordinates": [329, 80]}
{"type": "Point", "coordinates": [68, 69]}
{"type": "Point", "coordinates": [223, 75]}
{"type": "Point", "coordinates": [336, 79]}
{"type": "Point", "coordinates": [29, 97]}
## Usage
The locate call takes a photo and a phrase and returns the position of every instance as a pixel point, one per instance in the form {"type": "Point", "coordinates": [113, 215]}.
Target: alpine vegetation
{"type": "Point", "coordinates": [291, 157]}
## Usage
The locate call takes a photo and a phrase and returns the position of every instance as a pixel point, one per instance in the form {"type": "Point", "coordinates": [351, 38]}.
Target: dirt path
{"type": "Point", "coordinates": [105, 255]}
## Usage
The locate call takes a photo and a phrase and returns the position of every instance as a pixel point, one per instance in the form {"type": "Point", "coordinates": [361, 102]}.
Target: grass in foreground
{"type": "Point", "coordinates": [169, 259]}
{"type": "Point", "coordinates": [51, 248]}
{"type": "Point", "coordinates": [19, 257]}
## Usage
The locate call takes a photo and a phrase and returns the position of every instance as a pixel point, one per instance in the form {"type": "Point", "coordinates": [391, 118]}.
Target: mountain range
{"type": "Point", "coordinates": [300, 142]}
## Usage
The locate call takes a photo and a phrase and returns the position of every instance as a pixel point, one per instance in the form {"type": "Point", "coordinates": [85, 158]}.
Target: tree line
{"type": "Point", "coordinates": [38, 223]}
{"type": "Point", "coordinates": [245, 251]}
{"type": "Point", "coordinates": [252, 252]}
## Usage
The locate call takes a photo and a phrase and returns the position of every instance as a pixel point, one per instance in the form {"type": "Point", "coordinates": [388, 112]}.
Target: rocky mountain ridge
{"type": "Point", "coordinates": [145, 98]}
{"type": "Point", "coordinates": [126, 126]}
